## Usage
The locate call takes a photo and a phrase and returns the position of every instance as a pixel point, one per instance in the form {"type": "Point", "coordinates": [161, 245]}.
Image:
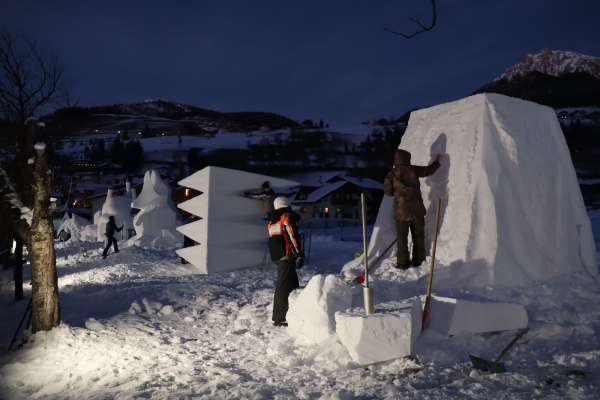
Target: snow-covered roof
{"type": "Point", "coordinates": [364, 183]}
{"type": "Point", "coordinates": [317, 178]}
{"type": "Point", "coordinates": [321, 192]}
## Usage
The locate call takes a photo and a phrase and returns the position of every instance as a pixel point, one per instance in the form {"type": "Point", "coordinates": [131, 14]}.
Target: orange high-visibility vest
{"type": "Point", "coordinates": [285, 229]}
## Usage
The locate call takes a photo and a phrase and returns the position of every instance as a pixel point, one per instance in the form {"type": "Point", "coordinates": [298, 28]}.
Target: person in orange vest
{"type": "Point", "coordinates": [286, 252]}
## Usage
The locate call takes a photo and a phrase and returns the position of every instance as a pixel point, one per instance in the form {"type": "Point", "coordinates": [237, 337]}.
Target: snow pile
{"type": "Point", "coordinates": [311, 316]}
{"type": "Point", "coordinates": [155, 224]}
{"type": "Point", "coordinates": [231, 232]}
{"type": "Point", "coordinates": [120, 208]}
{"type": "Point", "coordinates": [454, 316]}
{"type": "Point", "coordinates": [77, 227]}
{"type": "Point", "coordinates": [389, 333]}
{"type": "Point", "coordinates": [512, 211]}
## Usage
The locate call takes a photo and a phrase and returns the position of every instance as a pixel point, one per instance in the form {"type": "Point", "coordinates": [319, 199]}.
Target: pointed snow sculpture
{"type": "Point", "coordinates": [74, 225]}
{"type": "Point", "coordinates": [231, 233]}
{"type": "Point", "coordinates": [156, 222]}
{"type": "Point", "coordinates": [120, 208]}
{"type": "Point", "coordinates": [512, 210]}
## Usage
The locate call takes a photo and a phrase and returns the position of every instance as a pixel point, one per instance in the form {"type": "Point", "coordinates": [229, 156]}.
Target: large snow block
{"type": "Point", "coordinates": [512, 210]}
{"type": "Point", "coordinates": [387, 334]}
{"type": "Point", "coordinates": [231, 233]}
{"type": "Point", "coordinates": [311, 316]}
{"type": "Point", "coordinates": [454, 316]}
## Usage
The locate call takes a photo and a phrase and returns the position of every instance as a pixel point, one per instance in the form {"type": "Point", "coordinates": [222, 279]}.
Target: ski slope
{"type": "Point", "coordinates": [137, 325]}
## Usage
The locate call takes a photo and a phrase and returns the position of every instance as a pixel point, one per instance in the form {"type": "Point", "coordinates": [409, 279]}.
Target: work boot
{"type": "Point", "coordinates": [401, 266]}
{"type": "Point", "coordinates": [416, 263]}
{"type": "Point", "coordinates": [280, 323]}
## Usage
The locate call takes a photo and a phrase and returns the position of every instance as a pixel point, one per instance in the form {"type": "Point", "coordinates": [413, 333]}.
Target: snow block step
{"type": "Point", "coordinates": [452, 316]}
{"type": "Point", "coordinates": [311, 316]}
{"type": "Point", "coordinates": [387, 334]}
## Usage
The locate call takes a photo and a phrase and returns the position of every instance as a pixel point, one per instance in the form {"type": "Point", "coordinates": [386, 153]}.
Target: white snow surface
{"type": "Point", "coordinates": [311, 316]}
{"type": "Point", "coordinates": [389, 333]}
{"type": "Point", "coordinates": [512, 211]}
{"type": "Point", "coordinates": [457, 316]}
{"type": "Point", "coordinates": [138, 325]}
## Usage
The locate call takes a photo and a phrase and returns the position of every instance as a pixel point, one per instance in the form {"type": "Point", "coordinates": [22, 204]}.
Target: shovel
{"type": "Point", "coordinates": [495, 366]}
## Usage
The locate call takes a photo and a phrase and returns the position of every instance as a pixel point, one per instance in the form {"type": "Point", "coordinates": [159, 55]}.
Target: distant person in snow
{"type": "Point", "coordinates": [402, 182]}
{"type": "Point", "coordinates": [284, 246]}
{"type": "Point", "coordinates": [111, 228]}
{"type": "Point", "coordinates": [266, 194]}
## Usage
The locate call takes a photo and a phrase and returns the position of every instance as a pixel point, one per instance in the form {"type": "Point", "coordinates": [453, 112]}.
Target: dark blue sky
{"type": "Point", "coordinates": [305, 59]}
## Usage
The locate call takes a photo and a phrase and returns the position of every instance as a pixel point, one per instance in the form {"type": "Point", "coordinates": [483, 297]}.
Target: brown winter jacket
{"type": "Point", "coordinates": [402, 182]}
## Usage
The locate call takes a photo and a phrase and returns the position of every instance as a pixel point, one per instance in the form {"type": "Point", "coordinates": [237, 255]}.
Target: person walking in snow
{"type": "Point", "coordinates": [402, 182]}
{"type": "Point", "coordinates": [284, 246]}
{"type": "Point", "coordinates": [111, 228]}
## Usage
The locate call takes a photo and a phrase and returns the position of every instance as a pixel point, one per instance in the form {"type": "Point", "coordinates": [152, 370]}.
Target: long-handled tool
{"type": "Point", "coordinates": [361, 278]}
{"type": "Point", "coordinates": [26, 314]}
{"type": "Point", "coordinates": [367, 291]}
{"type": "Point", "coordinates": [427, 308]}
{"type": "Point", "coordinates": [495, 366]}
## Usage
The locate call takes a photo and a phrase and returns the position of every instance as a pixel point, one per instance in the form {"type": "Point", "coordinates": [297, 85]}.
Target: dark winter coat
{"type": "Point", "coordinates": [111, 227]}
{"type": "Point", "coordinates": [402, 182]}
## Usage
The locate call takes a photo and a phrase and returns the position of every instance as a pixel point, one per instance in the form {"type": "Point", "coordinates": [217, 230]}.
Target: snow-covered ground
{"type": "Point", "coordinates": [137, 325]}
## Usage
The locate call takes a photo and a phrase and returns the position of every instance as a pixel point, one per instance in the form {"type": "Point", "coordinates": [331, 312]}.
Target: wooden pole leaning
{"type": "Point", "coordinates": [427, 308]}
{"type": "Point", "coordinates": [367, 290]}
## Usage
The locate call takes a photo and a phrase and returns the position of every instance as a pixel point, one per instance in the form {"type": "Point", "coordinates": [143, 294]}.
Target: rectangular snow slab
{"type": "Point", "coordinates": [455, 316]}
{"type": "Point", "coordinates": [387, 334]}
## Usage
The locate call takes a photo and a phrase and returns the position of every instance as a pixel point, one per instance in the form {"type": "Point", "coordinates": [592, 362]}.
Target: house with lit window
{"type": "Point", "coordinates": [333, 198]}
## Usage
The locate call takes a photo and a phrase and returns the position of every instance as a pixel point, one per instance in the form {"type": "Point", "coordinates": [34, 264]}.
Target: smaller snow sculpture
{"type": "Point", "coordinates": [156, 222]}
{"type": "Point", "coordinates": [71, 228]}
{"type": "Point", "coordinates": [120, 208]}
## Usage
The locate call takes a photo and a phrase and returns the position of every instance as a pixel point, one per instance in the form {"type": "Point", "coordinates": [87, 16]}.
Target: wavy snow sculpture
{"type": "Point", "coordinates": [155, 224]}
{"type": "Point", "coordinates": [120, 208]}
{"type": "Point", "coordinates": [512, 208]}
{"type": "Point", "coordinates": [231, 233]}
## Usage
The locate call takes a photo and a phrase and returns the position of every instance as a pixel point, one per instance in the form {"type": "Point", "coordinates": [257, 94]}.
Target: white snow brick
{"type": "Point", "coordinates": [387, 334]}
{"type": "Point", "coordinates": [311, 316]}
{"type": "Point", "coordinates": [512, 210]}
{"type": "Point", "coordinates": [231, 233]}
{"type": "Point", "coordinates": [455, 316]}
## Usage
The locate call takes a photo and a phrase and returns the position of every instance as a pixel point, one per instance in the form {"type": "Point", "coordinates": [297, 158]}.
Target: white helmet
{"type": "Point", "coordinates": [281, 202]}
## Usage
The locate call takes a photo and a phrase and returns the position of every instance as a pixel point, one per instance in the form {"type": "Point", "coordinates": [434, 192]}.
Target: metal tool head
{"type": "Point", "coordinates": [487, 365]}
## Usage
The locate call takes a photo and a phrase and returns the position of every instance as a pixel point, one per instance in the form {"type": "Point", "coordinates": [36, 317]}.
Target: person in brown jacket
{"type": "Point", "coordinates": [402, 182]}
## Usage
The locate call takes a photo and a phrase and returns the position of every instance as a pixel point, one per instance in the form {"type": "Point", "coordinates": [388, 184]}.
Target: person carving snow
{"type": "Point", "coordinates": [284, 246]}
{"type": "Point", "coordinates": [111, 227]}
{"type": "Point", "coordinates": [402, 182]}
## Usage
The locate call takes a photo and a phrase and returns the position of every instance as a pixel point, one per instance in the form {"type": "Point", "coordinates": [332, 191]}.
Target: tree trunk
{"type": "Point", "coordinates": [44, 282]}
{"type": "Point", "coordinates": [18, 273]}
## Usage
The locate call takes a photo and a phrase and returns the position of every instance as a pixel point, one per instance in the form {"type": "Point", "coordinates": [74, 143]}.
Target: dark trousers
{"type": "Point", "coordinates": [113, 241]}
{"type": "Point", "coordinates": [287, 280]}
{"type": "Point", "coordinates": [417, 232]}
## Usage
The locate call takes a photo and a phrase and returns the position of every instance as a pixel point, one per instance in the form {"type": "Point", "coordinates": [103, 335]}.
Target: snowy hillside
{"type": "Point", "coordinates": [554, 63]}
{"type": "Point", "coordinates": [139, 326]}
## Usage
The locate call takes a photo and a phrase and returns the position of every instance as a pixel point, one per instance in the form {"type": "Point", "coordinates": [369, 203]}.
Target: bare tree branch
{"type": "Point", "coordinates": [422, 27]}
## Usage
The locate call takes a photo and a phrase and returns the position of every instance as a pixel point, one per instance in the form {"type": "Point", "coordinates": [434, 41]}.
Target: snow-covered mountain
{"type": "Point", "coordinates": [553, 63]}
{"type": "Point", "coordinates": [559, 79]}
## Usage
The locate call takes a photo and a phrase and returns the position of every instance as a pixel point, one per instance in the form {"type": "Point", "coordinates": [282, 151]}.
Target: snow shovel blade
{"type": "Point", "coordinates": [487, 365]}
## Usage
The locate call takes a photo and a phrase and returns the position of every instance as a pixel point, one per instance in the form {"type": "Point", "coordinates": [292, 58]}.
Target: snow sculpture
{"type": "Point", "coordinates": [231, 232]}
{"type": "Point", "coordinates": [311, 316]}
{"type": "Point", "coordinates": [389, 333]}
{"type": "Point", "coordinates": [512, 208]}
{"type": "Point", "coordinates": [120, 208]}
{"type": "Point", "coordinates": [73, 226]}
{"type": "Point", "coordinates": [454, 316]}
{"type": "Point", "coordinates": [155, 224]}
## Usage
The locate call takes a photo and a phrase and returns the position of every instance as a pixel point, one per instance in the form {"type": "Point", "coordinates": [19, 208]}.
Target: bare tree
{"type": "Point", "coordinates": [422, 27]}
{"type": "Point", "coordinates": [29, 80]}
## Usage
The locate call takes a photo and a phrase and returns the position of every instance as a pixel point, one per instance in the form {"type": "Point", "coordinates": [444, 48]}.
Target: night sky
{"type": "Point", "coordinates": [304, 59]}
